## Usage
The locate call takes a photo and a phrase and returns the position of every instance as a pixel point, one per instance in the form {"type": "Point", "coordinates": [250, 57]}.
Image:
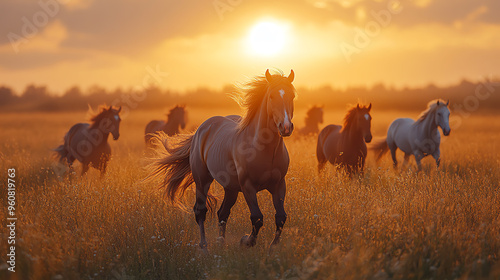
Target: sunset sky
{"type": "Point", "coordinates": [211, 43]}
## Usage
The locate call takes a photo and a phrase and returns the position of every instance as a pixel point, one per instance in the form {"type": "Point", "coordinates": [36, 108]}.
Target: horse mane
{"type": "Point", "coordinates": [431, 108]}
{"type": "Point", "coordinates": [250, 95]}
{"type": "Point", "coordinates": [177, 107]}
{"type": "Point", "coordinates": [349, 117]}
{"type": "Point", "coordinates": [96, 118]}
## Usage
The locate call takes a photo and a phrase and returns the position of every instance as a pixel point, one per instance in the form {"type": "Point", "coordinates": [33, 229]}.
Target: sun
{"type": "Point", "coordinates": [267, 38]}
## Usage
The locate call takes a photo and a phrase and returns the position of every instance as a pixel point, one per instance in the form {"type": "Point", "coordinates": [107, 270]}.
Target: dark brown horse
{"type": "Point", "coordinates": [176, 120]}
{"type": "Point", "coordinates": [314, 117]}
{"type": "Point", "coordinates": [345, 146]}
{"type": "Point", "coordinates": [88, 143]}
{"type": "Point", "coordinates": [243, 154]}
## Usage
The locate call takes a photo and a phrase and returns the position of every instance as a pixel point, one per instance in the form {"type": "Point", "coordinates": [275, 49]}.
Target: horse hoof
{"type": "Point", "coordinates": [247, 241]}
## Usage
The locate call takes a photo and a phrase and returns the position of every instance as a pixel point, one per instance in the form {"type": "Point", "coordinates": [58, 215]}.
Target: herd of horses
{"type": "Point", "coordinates": [247, 153]}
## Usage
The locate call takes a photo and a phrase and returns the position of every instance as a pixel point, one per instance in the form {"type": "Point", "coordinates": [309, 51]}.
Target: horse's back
{"type": "Point", "coordinates": [213, 134]}
{"type": "Point", "coordinates": [76, 132]}
{"type": "Point", "coordinates": [234, 118]}
{"type": "Point", "coordinates": [399, 134]}
{"type": "Point", "coordinates": [211, 149]}
{"type": "Point", "coordinates": [154, 126]}
{"type": "Point", "coordinates": [151, 128]}
{"type": "Point", "coordinates": [328, 139]}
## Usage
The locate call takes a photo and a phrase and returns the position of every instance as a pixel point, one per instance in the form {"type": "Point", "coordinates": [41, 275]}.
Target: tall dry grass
{"type": "Point", "coordinates": [439, 224]}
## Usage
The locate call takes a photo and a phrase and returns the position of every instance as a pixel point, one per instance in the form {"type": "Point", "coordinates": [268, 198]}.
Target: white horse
{"type": "Point", "coordinates": [419, 138]}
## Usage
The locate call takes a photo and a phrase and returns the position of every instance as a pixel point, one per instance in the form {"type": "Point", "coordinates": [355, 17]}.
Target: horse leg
{"type": "Point", "coordinates": [437, 156]}
{"type": "Point", "coordinates": [102, 168]}
{"type": "Point", "coordinates": [393, 155]}
{"type": "Point", "coordinates": [256, 216]}
{"type": "Point", "coordinates": [200, 206]}
{"type": "Point", "coordinates": [407, 157]}
{"type": "Point", "coordinates": [230, 197]}
{"type": "Point", "coordinates": [85, 168]}
{"type": "Point", "coordinates": [279, 205]}
{"type": "Point", "coordinates": [321, 165]}
{"type": "Point", "coordinates": [418, 158]}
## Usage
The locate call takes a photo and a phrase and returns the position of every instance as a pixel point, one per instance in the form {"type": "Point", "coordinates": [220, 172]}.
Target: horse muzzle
{"type": "Point", "coordinates": [285, 129]}
{"type": "Point", "coordinates": [446, 132]}
{"type": "Point", "coordinates": [116, 136]}
{"type": "Point", "coordinates": [368, 138]}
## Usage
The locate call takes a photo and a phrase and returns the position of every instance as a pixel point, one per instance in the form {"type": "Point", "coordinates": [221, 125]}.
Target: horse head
{"type": "Point", "coordinates": [114, 117]}
{"type": "Point", "coordinates": [280, 97]}
{"type": "Point", "coordinates": [179, 115]}
{"type": "Point", "coordinates": [364, 121]}
{"type": "Point", "coordinates": [442, 117]}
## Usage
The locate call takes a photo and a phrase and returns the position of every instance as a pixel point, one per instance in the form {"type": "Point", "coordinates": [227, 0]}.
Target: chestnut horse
{"type": "Point", "coordinates": [176, 120]}
{"type": "Point", "coordinates": [245, 155]}
{"type": "Point", "coordinates": [88, 143]}
{"type": "Point", "coordinates": [346, 146]}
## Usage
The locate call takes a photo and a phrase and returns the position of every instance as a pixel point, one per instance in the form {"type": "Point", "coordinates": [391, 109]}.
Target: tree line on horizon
{"type": "Point", "coordinates": [484, 95]}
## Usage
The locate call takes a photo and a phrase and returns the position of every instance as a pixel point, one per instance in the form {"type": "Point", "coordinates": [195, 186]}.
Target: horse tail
{"type": "Point", "coordinates": [320, 155]}
{"type": "Point", "coordinates": [61, 153]}
{"type": "Point", "coordinates": [380, 147]}
{"type": "Point", "coordinates": [173, 167]}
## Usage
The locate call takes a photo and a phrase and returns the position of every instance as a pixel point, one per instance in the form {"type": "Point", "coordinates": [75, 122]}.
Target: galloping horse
{"type": "Point", "coordinates": [419, 138]}
{"type": "Point", "coordinates": [88, 143]}
{"type": "Point", "coordinates": [314, 117]}
{"type": "Point", "coordinates": [244, 155]}
{"type": "Point", "coordinates": [175, 118]}
{"type": "Point", "coordinates": [345, 146]}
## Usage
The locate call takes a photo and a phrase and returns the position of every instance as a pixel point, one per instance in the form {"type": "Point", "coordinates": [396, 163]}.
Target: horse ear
{"type": "Point", "coordinates": [357, 106]}
{"type": "Point", "coordinates": [119, 109]}
{"type": "Point", "coordinates": [269, 78]}
{"type": "Point", "coordinates": [110, 108]}
{"type": "Point", "coordinates": [291, 76]}
{"type": "Point", "coordinates": [438, 102]}
{"type": "Point", "coordinates": [369, 107]}
{"type": "Point", "coordinates": [448, 102]}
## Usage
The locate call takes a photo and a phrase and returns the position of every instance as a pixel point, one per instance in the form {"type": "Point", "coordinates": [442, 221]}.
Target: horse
{"type": "Point", "coordinates": [419, 138]}
{"type": "Point", "coordinates": [314, 117]}
{"type": "Point", "coordinates": [88, 142]}
{"type": "Point", "coordinates": [176, 120]}
{"type": "Point", "coordinates": [243, 154]}
{"type": "Point", "coordinates": [345, 146]}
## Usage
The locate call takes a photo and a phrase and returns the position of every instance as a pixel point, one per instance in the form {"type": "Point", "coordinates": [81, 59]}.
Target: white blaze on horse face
{"type": "Point", "coordinates": [282, 92]}
{"type": "Point", "coordinates": [287, 120]}
{"type": "Point", "coordinates": [117, 117]}
{"type": "Point", "coordinates": [367, 116]}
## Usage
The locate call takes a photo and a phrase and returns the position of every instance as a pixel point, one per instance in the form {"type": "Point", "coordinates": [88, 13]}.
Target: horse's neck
{"type": "Point", "coordinates": [171, 126]}
{"type": "Point", "coordinates": [98, 134]}
{"type": "Point", "coordinates": [427, 126]}
{"type": "Point", "coordinates": [352, 134]}
{"type": "Point", "coordinates": [263, 130]}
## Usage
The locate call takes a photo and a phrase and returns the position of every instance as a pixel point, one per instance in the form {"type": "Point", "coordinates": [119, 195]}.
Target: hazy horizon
{"type": "Point", "coordinates": [186, 45]}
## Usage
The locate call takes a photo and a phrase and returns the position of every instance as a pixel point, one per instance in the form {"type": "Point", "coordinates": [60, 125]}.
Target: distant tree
{"type": "Point", "coordinates": [6, 95]}
{"type": "Point", "coordinates": [73, 93]}
{"type": "Point", "coordinates": [34, 93]}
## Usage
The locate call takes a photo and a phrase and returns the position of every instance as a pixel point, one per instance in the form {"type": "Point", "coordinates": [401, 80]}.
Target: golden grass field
{"type": "Point", "coordinates": [439, 224]}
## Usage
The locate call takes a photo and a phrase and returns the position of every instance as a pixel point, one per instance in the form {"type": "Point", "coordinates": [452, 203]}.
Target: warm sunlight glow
{"type": "Point", "coordinates": [267, 38]}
